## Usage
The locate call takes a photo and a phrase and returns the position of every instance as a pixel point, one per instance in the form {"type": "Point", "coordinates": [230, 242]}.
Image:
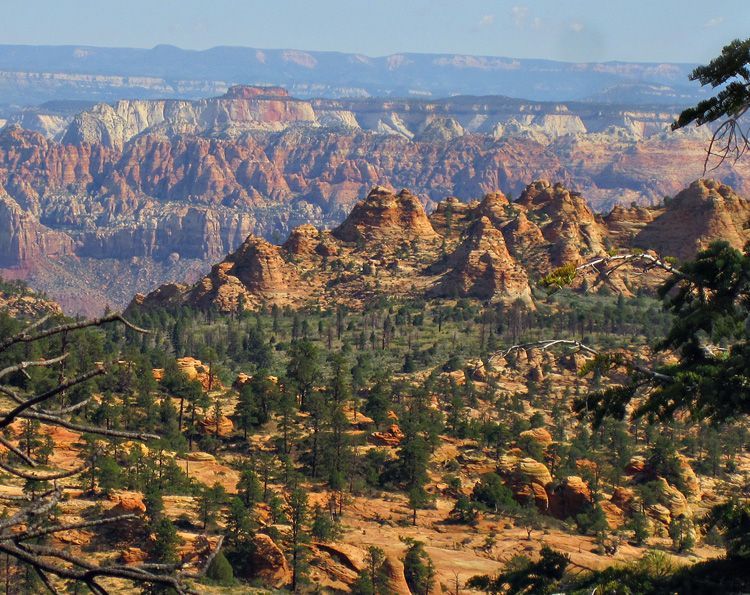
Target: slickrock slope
{"type": "Point", "coordinates": [493, 249]}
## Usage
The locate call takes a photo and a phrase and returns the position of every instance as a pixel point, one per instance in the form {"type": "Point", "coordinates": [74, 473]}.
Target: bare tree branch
{"type": "Point", "coordinates": [32, 520]}
{"type": "Point", "coordinates": [37, 508]}
{"type": "Point", "coordinates": [40, 476]}
{"type": "Point", "coordinates": [70, 526]}
{"type": "Point", "coordinates": [612, 263]}
{"type": "Point", "coordinates": [25, 337]}
{"type": "Point", "coordinates": [18, 452]}
{"type": "Point", "coordinates": [732, 141]}
{"type": "Point", "coordinates": [45, 580]}
{"type": "Point", "coordinates": [85, 429]}
{"type": "Point", "coordinates": [544, 345]}
{"type": "Point", "coordinates": [87, 574]}
{"type": "Point", "coordinates": [578, 346]}
{"type": "Point", "coordinates": [28, 404]}
{"type": "Point", "coordinates": [38, 363]}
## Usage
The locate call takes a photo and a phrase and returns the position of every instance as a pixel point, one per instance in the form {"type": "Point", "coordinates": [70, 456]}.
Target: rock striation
{"type": "Point", "coordinates": [481, 266]}
{"type": "Point", "coordinates": [385, 217]}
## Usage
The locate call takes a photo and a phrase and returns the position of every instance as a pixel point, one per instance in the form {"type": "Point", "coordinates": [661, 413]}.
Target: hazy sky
{"type": "Point", "coordinates": [592, 30]}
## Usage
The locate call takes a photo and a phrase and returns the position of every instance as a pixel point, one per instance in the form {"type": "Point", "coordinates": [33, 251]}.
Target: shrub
{"type": "Point", "coordinates": [220, 570]}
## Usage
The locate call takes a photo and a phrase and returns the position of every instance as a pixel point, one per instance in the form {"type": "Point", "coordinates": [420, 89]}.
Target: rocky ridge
{"type": "Point", "coordinates": [491, 249]}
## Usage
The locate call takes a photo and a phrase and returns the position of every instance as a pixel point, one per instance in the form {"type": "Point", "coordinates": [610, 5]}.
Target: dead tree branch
{"type": "Point", "coordinates": [25, 337]}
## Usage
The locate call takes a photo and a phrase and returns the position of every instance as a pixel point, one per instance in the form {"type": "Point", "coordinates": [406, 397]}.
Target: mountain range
{"type": "Point", "coordinates": [30, 75]}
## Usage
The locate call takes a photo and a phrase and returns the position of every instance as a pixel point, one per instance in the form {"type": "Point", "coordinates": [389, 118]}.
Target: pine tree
{"type": "Point", "coordinates": [419, 571]}
{"type": "Point", "coordinates": [297, 511]}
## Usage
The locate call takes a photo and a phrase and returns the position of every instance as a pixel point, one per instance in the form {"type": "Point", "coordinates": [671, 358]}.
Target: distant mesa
{"type": "Point", "coordinates": [250, 92]}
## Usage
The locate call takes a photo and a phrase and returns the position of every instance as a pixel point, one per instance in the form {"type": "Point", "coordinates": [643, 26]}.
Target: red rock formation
{"type": "Point", "coordinates": [570, 498]}
{"type": "Point", "coordinates": [540, 435]}
{"type": "Point", "coordinates": [705, 211]}
{"type": "Point", "coordinates": [224, 428]}
{"type": "Point", "coordinates": [482, 267]}
{"type": "Point", "coordinates": [269, 562]}
{"type": "Point", "coordinates": [390, 437]}
{"type": "Point", "coordinates": [24, 240]}
{"type": "Point", "coordinates": [256, 272]}
{"type": "Point", "coordinates": [566, 222]}
{"type": "Point", "coordinates": [384, 216]}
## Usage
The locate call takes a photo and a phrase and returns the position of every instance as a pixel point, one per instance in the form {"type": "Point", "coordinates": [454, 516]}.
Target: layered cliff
{"type": "Point", "coordinates": [241, 109]}
{"type": "Point", "coordinates": [176, 185]}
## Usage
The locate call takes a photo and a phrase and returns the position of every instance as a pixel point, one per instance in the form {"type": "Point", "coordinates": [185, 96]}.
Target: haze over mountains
{"type": "Point", "coordinates": [35, 74]}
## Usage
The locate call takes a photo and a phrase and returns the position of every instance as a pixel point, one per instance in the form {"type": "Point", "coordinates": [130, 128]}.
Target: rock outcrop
{"type": "Point", "coordinates": [490, 250]}
{"type": "Point", "coordinates": [162, 189]}
{"type": "Point", "coordinates": [386, 217]}
{"type": "Point", "coordinates": [482, 267]}
{"type": "Point", "coordinates": [257, 272]}
{"type": "Point", "coordinates": [570, 498]}
{"type": "Point", "coordinates": [241, 109]}
{"type": "Point", "coordinates": [703, 212]}
{"type": "Point", "coordinates": [269, 563]}
{"type": "Point", "coordinates": [566, 221]}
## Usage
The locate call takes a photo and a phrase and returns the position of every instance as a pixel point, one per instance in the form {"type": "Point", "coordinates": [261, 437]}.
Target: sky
{"type": "Point", "coordinates": [576, 30]}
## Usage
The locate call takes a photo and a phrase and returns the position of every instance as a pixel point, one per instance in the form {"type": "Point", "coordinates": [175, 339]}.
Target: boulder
{"type": "Point", "coordinates": [530, 479]}
{"type": "Point", "coordinates": [614, 514]}
{"type": "Point", "coordinates": [269, 562]}
{"type": "Point", "coordinates": [623, 498]}
{"type": "Point", "coordinates": [224, 428]}
{"type": "Point", "coordinates": [199, 456]}
{"type": "Point", "coordinates": [636, 466]}
{"type": "Point", "coordinates": [570, 498]}
{"type": "Point", "coordinates": [659, 513]}
{"type": "Point", "coordinates": [688, 478]}
{"type": "Point", "coordinates": [673, 499]}
{"type": "Point", "coordinates": [529, 470]}
{"type": "Point", "coordinates": [195, 369]}
{"type": "Point", "coordinates": [394, 571]}
{"type": "Point", "coordinates": [526, 492]}
{"type": "Point", "coordinates": [127, 502]}
{"type": "Point", "coordinates": [540, 435]}
{"type": "Point", "coordinates": [133, 555]}
{"type": "Point", "coordinates": [241, 380]}
{"type": "Point", "coordinates": [391, 437]}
